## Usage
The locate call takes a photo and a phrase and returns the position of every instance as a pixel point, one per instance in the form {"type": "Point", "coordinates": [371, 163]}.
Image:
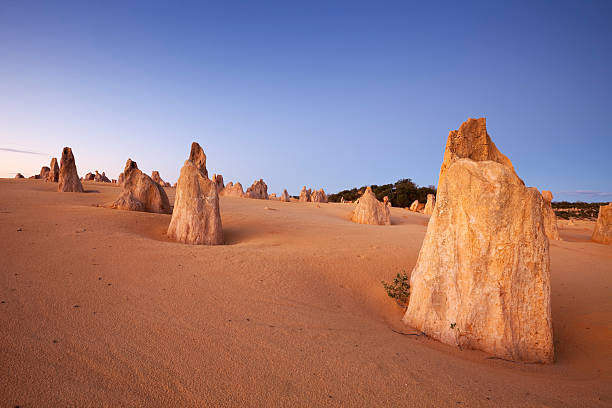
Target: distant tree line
{"type": "Point", "coordinates": [579, 209]}
{"type": "Point", "coordinates": [401, 193]}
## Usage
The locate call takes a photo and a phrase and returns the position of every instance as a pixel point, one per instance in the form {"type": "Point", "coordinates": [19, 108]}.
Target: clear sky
{"type": "Point", "coordinates": [324, 94]}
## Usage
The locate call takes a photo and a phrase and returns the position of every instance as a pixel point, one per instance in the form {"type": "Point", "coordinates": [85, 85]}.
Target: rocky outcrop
{"type": "Point", "coordinates": [121, 179]}
{"type": "Point", "coordinates": [218, 179]}
{"type": "Point", "coordinates": [68, 178]}
{"type": "Point", "coordinates": [482, 279]}
{"type": "Point", "coordinates": [369, 210]}
{"type": "Point", "coordinates": [232, 190]}
{"type": "Point", "coordinates": [318, 196]}
{"type": "Point", "coordinates": [44, 173]}
{"type": "Point", "coordinates": [19, 176]}
{"type": "Point", "coordinates": [430, 205]}
{"type": "Point", "coordinates": [196, 218]}
{"type": "Point", "coordinates": [603, 228]}
{"type": "Point", "coordinates": [550, 219]}
{"type": "Point", "coordinates": [101, 178]}
{"type": "Point", "coordinates": [272, 196]}
{"type": "Point", "coordinates": [140, 192]}
{"type": "Point", "coordinates": [285, 196]}
{"type": "Point", "coordinates": [53, 175]}
{"type": "Point", "coordinates": [414, 206]}
{"type": "Point", "coordinates": [305, 195]}
{"type": "Point", "coordinates": [471, 141]}
{"type": "Point", "coordinates": [386, 201]}
{"type": "Point", "coordinates": [258, 190]}
{"type": "Point", "coordinates": [89, 177]}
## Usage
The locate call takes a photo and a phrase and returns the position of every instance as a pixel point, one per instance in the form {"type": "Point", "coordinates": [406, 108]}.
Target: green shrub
{"type": "Point", "coordinates": [399, 289]}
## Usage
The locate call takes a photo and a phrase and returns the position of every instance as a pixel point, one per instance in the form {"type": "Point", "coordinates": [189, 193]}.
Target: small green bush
{"type": "Point", "coordinates": [399, 289]}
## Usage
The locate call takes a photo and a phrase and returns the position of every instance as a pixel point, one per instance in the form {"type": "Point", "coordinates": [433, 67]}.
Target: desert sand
{"type": "Point", "coordinates": [99, 308]}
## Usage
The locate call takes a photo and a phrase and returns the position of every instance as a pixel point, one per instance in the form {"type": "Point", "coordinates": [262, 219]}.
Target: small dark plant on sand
{"type": "Point", "coordinates": [399, 289]}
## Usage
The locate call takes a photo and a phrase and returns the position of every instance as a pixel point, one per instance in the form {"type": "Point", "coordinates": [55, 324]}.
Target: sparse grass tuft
{"type": "Point", "coordinates": [399, 289]}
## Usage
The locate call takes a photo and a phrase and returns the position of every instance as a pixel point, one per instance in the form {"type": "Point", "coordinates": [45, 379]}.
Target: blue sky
{"type": "Point", "coordinates": [323, 94]}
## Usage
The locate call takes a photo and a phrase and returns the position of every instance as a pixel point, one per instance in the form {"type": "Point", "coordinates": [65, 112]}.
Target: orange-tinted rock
{"type": "Point", "coordinates": [603, 228]}
{"type": "Point", "coordinates": [218, 179]}
{"type": "Point", "coordinates": [318, 196]}
{"type": "Point", "coordinates": [471, 141]}
{"type": "Point", "coordinates": [53, 175]}
{"type": "Point", "coordinates": [430, 204]}
{"type": "Point", "coordinates": [285, 196]}
{"type": "Point", "coordinates": [414, 206]}
{"type": "Point", "coordinates": [305, 195]}
{"type": "Point", "coordinates": [550, 219]}
{"type": "Point", "coordinates": [44, 173]}
{"type": "Point", "coordinates": [196, 218]}
{"type": "Point", "coordinates": [258, 190]}
{"type": "Point", "coordinates": [140, 192]}
{"type": "Point", "coordinates": [232, 190]}
{"type": "Point", "coordinates": [121, 179]}
{"type": "Point", "coordinates": [68, 178]}
{"type": "Point", "coordinates": [369, 210]}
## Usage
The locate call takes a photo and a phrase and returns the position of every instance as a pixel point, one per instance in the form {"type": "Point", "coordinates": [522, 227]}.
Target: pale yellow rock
{"type": "Point", "coordinates": [550, 219]}
{"type": "Point", "coordinates": [68, 178]}
{"type": "Point", "coordinates": [232, 190]}
{"type": "Point", "coordinates": [482, 279]}
{"type": "Point", "coordinates": [414, 206]}
{"type": "Point", "coordinates": [305, 195]}
{"type": "Point", "coordinates": [473, 142]}
{"type": "Point", "coordinates": [196, 218]}
{"type": "Point", "coordinates": [430, 205]}
{"type": "Point", "coordinates": [368, 210]}
{"type": "Point", "coordinates": [285, 196]}
{"type": "Point", "coordinates": [603, 228]}
{"type": "Point", "coordinates": [318, 196]}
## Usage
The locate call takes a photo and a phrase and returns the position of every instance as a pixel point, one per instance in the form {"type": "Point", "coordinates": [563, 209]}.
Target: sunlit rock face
{"type": "Point", "coordinates": [414, 206]}
{"type": "Point", "coordinates": [68, 178]}
{"type": "Point", "coordinates": [550, 219]}
{"type": "Point", "coordinates": [482, 279]}
{"type": "Point", "coordinates": [318, 196]}
{"type": "Point", "coordinates": [140, 193]}
{"type": "Point", "coordinates": [603, 228]}
{"type": "Point", "coordinates": [258, 190]}
{"type": "Point", "coordinates": [196, 218]}
{"type": "Point", "coordinates": [53, 175]}
{"type": "Point", "coordinates": [285, 196]}
{"type": "Point", "coordinates": [368, 210]}
{"type": "Point", "coordinates": [305, 195]}
{"type": "Point", "coordinates": [232, 190]}
{"type": "Point", "coordinates": [430, 205]}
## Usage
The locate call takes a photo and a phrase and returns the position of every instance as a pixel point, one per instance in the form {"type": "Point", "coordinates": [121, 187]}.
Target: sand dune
{"type": "Point", "coordinates": [99, 308]}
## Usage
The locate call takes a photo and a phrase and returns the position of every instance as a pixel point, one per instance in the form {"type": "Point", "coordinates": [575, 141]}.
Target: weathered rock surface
{"type": "Point", "coordinates": [140, 192]}
{"type": "Point", "coordinates": [318, 196]}
{"type": "Point", "coordinates": [218, 179]}
{"type": "Point", "coordinates": [19, 176]}
{"type": "Point", "coordinates": [285, 196]}
{"type": "Point", "coordinates": [101, 178]}
{"type": "Point", "coordinates": [68, 178]}
{"type": "Point", "coordinates": [196, 218]}
{"type": "Point", "coordinates": [258, 190]}
{"type": "Point", "coordinates": [471, 141]}
{"type": "Point", "coordinates": [482, 279]}
{"type": "Point", "coordinates": [89, 177]}
{"type": "Point", "coordinates": [386, 201]}
{"type": "Point", "coordinates": [369, 210]}
{"type": "Point", "coordinates": [121, 179]}
{"type": "Point", "coordinates": [232, 190]}
{"type": "Point", "coordinates": [550, 219]}
{"type": "Point", "coordinates": [44, 172]}
{"type": "Point", "coordinates": [272, 196]}
{"type": "Point", "coordinates": [430, 205]}
{"type": "Point", "coordinates": [53, 175]}
{"type": "Point", "coordinates": [414, 206]}
{"type": "Point", "coordinates": [305, 195]}
{"type": "Point", "coordinates": [603, 228]}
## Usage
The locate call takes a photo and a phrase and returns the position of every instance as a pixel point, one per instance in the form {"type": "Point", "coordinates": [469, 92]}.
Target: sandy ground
{"type": "Point", "coordinates": [98, 308]}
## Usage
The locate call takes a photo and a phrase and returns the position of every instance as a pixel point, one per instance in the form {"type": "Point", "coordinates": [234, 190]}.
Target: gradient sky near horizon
{"type": "Point", "coordinates": [322, 94]}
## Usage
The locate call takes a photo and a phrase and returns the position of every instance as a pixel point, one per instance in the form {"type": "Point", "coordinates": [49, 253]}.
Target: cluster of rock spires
{"type": "Point", "coordinates": [140, 192]}
{"type": "Point", "coordinates": [316, 196]}
{"type": "Point", "coordinates": [482, 279]}
{"type": "Point", "coordinates": [258, 190]}
{"type": "Point", "coordinates": [232, 190]}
